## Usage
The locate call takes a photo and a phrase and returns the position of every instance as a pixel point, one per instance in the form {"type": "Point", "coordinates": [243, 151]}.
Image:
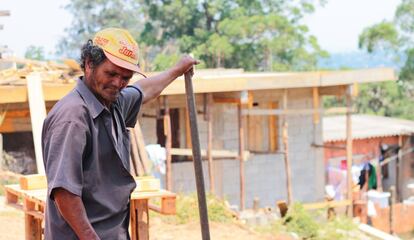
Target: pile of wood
{"type": "Point", "coordinates": [50, 71]}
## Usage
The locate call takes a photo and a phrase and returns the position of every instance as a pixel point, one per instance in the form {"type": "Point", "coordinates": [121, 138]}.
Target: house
{"type": "Point", "coordinates": [260, 131]}
{"type": "Point", "coordinates": [375, 138]}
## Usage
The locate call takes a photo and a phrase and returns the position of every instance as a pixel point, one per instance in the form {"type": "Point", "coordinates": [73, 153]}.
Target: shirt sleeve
{"type": "Point", "coordinates": [63, 151]}
{"type": "Point", "coordinates": [130, 102]}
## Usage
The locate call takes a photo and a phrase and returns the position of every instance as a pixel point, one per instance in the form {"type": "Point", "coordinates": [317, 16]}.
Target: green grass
{"type": "Point", "coordinates": [187, 210]}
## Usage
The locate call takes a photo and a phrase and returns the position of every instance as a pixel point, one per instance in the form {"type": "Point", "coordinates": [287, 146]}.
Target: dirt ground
{"type": "Point", "coordinates": [12, 228]}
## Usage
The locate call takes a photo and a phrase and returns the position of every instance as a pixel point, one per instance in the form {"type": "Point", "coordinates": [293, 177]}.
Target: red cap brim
{"type": "Point", "coordinates": [124, 64]}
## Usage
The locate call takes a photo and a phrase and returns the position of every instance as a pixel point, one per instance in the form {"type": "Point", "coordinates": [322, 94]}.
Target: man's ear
{"type": "Point", "coordinates": [88, 66]}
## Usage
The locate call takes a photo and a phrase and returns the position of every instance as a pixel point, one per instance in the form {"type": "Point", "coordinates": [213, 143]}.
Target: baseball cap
{"type": "Point", "coordinates": [119, 47]}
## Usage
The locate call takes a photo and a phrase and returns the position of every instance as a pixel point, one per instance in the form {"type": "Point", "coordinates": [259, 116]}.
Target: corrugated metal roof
{"type": "Point", "coordinates": [365, 126]}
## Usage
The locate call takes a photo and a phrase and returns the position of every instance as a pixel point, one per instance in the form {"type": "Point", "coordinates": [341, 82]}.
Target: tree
{"type": "Point", "coordinates": [254, 34]}
{"type": "Point", "coordinates": [35, 53]}
{"type": "Point", "coordinates": [396, 37]}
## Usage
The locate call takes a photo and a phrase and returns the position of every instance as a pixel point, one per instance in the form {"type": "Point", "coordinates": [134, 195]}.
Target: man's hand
{"type": "Point", "coordinates": [185, 64]}
{"type": "Point", "coordinates": [153, 86]}
{"type": "Point", "coordinates": [73, 211]}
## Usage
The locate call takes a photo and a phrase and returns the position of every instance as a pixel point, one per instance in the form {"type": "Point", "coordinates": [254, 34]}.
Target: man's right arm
{"type": "Point", "coordinates": [73, 211]}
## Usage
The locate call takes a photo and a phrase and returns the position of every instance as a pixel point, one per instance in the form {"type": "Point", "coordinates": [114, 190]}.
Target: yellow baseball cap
{"type": "Point", "coordinates": [119, 47]}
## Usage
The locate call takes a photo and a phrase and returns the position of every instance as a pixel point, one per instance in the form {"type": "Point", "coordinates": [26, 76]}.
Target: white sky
{"type": "Point", "coordinates": [337, 25]}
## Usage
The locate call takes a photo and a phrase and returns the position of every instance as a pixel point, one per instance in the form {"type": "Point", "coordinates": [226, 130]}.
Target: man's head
{"type": "Point", "coordinates": [109, 62]}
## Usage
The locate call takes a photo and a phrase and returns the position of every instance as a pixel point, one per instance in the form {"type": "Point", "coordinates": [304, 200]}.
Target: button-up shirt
{"type": "Point", "coordinates": [82, 156]}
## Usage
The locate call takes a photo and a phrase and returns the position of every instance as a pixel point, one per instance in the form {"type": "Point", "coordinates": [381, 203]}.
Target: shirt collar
{"type": "Point", "coordinates": [93, 104]}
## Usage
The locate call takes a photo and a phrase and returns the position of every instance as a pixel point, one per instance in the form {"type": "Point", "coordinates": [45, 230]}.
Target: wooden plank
{"type": "Point", "coordinates": [214, 153]}
{"type": "Point", "coordinates": [37, 115]}
{"type": "Point", "coordinates": [135, 158]}
{"type": "Point", "coordinates": [143, 156]}
{"type": "Point", "coordinates": [33, 181]}
{"type": "Point", "coordinates": [256, 112]}
{"type": "Point", "coordinates": [371, 231]}
{"type": "Point", "coordinates": [327, 204]}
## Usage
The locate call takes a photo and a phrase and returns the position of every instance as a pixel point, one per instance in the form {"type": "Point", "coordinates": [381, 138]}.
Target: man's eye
{"type": "Point", "coordinates": [111, 74]}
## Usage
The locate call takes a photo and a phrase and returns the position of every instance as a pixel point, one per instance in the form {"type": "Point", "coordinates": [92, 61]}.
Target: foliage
{"type": "Point", "coordinates": [312, 225]}
{"type": "Point", "coordinates": [391, 99]}
{"type": "Point", "coordinates": [187, 210]}
{"type": "Point", "coordinates": [299, 221]}
{"type": "Point", "coordinates": [254, 35]}
{"type": "Point", "coordinates": [35, 53]}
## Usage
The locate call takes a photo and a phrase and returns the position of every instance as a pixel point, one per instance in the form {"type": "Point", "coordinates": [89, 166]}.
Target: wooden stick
{"type": "Point", "coordinates": [209, 116]}
{"type": "Point", "coordinates": [349, 148]}
{"type": "Point", "coordinates": [286, 149]}
{"type": "Point", "coordinates": [241, 158]}
{"type": "Point", "coordinates": [168, 144]}
{"type": "Point", "coordinates": [141, 149]}
{"type": "Point", "coordinates": [198, 167]}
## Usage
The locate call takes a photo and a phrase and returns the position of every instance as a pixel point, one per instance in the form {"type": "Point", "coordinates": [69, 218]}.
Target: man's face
{"type": "Point", "coordinates": [107, 80]}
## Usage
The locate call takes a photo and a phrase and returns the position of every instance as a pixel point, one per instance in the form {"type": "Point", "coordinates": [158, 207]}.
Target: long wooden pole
{"type": "Point", "coordinates": [349, 147]}
{"type": "Point", "coordinates": [285, 138]}
{"type": "Point", "coordinates": [209, 115]}
{"type": "Point", "coordinates": [168, 143]}
{"type": "Point", "coordinates": [198, 167]}
{"type": "Point", "coordinates": [241, 157]}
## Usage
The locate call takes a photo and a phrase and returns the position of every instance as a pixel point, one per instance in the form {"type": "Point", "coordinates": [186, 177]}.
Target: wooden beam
{"type": "Point", "coordinates": [214, 153]}
{"type": "Point", "coordinates": [37, 115]}
{"type": "Point", "coordinates": [316, 105]}
{"type": "Point", "coordinates": [273, 128]}
{"type": "Point", "coordinates": [11, 125]}
{"type": "Point", "coordinates": [327, 204]}
{"type": "Point", "coordinates": [336, 110]}
{"type": "Point", "coordinates": [349, 150]}
{"type": "Point", "coordinates": [285, 139]}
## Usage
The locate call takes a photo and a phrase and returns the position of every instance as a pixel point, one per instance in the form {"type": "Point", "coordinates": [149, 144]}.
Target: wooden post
{"type": "Point", "coordinates": [32, 225]}
{"type": "Point", "coordinates": [143, 157]}
{"type": "Point", "coordinates": [209, 118]}
{"type": "Point", "coordinates": [316, 117]}
{"type": "Point", "coordinates": [349, 148]}
{"type": "Point", "coordinates": [398, 162]}
{"type": "Point", "coordinates": [168, 143]}
{"type": "Point", "coordinates": [392, 210]}
{"type": "Point", "coordinates": [142, 219]}
{"type": "Point", "coordinates": [241, 157]}
{"type": "Point", "coordinates": [285, 137]}
{"type": "Point", "coordinates": [37, 115]}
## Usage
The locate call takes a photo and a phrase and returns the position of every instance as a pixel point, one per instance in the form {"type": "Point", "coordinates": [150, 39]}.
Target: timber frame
{"type": "Point", "coordinates": [213, 87]}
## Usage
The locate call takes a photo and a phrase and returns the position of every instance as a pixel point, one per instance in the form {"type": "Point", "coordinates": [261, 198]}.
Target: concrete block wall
{"type": "Point", "coordinates": [264, 174]}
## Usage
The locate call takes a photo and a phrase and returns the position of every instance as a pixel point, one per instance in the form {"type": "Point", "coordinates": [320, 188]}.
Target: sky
{"type": "Point", "coordinates": [336, 25]}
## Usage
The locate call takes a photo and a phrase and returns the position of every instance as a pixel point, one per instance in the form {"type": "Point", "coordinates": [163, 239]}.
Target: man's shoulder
{"type": "Point", "coordinates": [70, 108]}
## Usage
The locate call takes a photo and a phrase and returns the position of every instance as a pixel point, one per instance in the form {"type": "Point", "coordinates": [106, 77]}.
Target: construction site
{"type": "Point", "coordinates": [276, 163]}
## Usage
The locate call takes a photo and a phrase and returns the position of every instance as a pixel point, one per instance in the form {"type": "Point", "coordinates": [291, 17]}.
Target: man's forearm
{"type": "Point", "coordinates": [153, 86]}
{"type": "Point", "coordinates": [73, 211]}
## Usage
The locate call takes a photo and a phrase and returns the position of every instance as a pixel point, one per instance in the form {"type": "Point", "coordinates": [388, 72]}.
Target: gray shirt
{"type": "Point", "coordinates": [81, 155]}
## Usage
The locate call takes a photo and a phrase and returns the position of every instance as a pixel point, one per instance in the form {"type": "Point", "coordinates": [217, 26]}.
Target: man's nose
{"type": "Point", "coordinates": [119, 82]}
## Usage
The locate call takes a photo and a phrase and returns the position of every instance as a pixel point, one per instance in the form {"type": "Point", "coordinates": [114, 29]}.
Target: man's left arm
{"type": "Point", "coordinates": [153, 86]}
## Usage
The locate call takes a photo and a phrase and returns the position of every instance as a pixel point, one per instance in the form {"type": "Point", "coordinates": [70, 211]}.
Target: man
{"type": "Point", "coordinates": [86, 140]}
